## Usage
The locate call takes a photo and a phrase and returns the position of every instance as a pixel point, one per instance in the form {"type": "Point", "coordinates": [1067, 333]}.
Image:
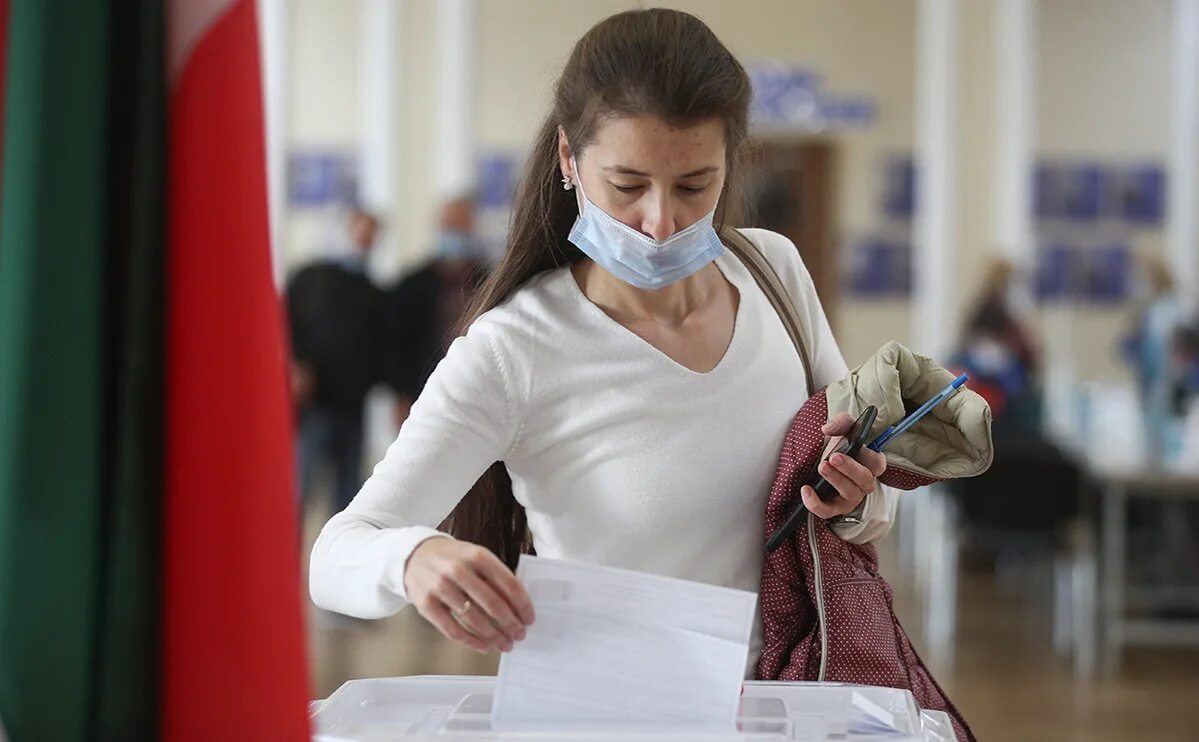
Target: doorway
{"type": "Point", "coordinates": [791, 191]}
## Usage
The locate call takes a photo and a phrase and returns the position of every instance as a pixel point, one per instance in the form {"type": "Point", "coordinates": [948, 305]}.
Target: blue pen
{"type": "Point", "coordinates": [885, 437]}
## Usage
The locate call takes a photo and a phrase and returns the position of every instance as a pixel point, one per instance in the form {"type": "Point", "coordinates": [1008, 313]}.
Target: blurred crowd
{"type": "Point", "coordinates": [1001, 352]}
{"type": "Point", "coordinates": [349, 335]}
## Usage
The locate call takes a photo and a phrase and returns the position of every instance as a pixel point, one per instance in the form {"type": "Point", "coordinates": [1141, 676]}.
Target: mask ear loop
{"type": "Point", "coordinates": [581, 195]}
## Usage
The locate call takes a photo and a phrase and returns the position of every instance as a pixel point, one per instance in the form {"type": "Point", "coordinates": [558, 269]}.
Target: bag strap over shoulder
{"type": "Point", "coordinates": [768, 280]}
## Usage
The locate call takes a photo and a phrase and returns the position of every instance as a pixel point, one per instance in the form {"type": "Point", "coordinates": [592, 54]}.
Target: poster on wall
{"type": "Point", "coordinates": [1057, 272]}
{"type": "Point", "coordinates": [1137, 194]}
{"type": "Point", "coordinates": [1093, 273]}
{"type": "Point", "coordinates": [1068, 191]}
{"type": "Point", "coordinates": [1108, 273]}
{"type": "Point", "coordinates": [496, 175]}
{"type": "Point", "coordinates": [899, 188]}
{"type": "Point", "coordinates": [1086, 192]}
{"type": "Point", "coordinates": [790, 97]}
{"type": "Point", "coordinates": [497, 179]}
{"type": "Point", "coordinates": [320, 178]}
{"type": "Point", "coordinates": [879, 267]}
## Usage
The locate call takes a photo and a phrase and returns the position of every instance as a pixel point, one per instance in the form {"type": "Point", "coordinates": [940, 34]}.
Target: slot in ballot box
{"type": "Point", "coordinates": [446, 708]}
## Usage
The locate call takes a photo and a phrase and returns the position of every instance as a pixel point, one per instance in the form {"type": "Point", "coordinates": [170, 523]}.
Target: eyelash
{"type": "Point", "coordinates": [690, 190]}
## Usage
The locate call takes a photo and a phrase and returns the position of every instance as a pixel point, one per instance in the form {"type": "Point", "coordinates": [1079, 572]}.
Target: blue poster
{"type": "Point", "coordinates": [870, 273]}
{"type": "Point", "coordinates": [1108, 273]}
{"type": "Point", "coordinates": [320, 179]}
{"type": "Point", "coordinates": [1058, 267]}
{"type": "Point", "coordinates": [902, 277]}
{"type": "Point", "coordinates": [1138, 194]}
{"type": "Point", "coordinates": [789, 96]}
{"type": "Point", "coordinates": [780, 91]}
{"type": "Point", "coordinates": [1071, 192]}
{"type": "Point", "coordinates": [899, 188]}
{"type": "Point", "coordinates": [880, 268]}
{"type": "Point", "coordinates": [497, 180]}
{"type": "Point", "coordinates": [840, 111]}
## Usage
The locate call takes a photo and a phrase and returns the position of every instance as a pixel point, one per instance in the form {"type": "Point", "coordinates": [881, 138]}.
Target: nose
{"type": "Point", "coordinates": [658, 219]}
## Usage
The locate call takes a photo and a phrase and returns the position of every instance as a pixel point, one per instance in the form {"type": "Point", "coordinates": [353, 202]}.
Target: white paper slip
{"type": "Point", "coordinates": [868, 717]}
{"type": "Point", "coordinates": [613, 648]}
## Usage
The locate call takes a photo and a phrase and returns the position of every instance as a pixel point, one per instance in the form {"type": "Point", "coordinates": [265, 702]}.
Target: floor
{"type": "Point", "coordinates": [1010, 686]}
{"type": "Point", "coordinates": [1004, 675]}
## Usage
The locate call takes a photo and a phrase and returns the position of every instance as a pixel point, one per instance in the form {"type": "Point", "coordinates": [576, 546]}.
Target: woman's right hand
{"type": "Point", "coordinates": [468, 594]}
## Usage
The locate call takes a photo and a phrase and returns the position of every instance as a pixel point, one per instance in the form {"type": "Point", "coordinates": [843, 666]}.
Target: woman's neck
{"type": "Point", "coordinates": [668, 306]}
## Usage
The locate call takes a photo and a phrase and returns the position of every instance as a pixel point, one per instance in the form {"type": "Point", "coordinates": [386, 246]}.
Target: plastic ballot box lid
{"type": "Point", "coordinates": [445, 708]}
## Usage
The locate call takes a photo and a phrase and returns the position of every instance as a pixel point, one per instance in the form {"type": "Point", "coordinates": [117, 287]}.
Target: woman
{"type": "Point", "coordinates": [630, 375]}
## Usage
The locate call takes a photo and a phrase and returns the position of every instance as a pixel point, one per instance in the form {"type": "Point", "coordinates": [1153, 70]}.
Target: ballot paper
{"type": "Point", "coordinates": [867, 717]}
{"type": "Point", "coordinates": [616, 649]}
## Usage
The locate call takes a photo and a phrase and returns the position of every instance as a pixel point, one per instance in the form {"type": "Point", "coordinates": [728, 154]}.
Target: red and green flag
{"type": "Point", "coordinates": [149, 577]}
{"type": "Point", "coordinates": [54, 377]}
{"type": "Point", "coordinates": [231, 566]}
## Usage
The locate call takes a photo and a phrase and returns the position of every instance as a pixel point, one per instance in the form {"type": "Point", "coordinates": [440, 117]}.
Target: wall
{"type": "Point", "coordinates": [325, 115]}
{"type": "Point", "coordinates": [323, 103]}
{"type": "Point", "coordinates": [1104, 94]}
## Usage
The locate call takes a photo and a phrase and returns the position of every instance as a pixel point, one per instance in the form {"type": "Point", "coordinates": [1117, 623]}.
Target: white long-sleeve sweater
{"type": "Point", "coordinates": [619, 455]}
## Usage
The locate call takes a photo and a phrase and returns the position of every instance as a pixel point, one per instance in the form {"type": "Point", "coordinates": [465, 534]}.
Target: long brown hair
{"type": "Point", "coordinates": [657, 62]}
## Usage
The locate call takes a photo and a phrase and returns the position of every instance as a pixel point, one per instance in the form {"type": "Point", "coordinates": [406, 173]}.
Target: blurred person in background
{"type": "Point", "coordinates": [600, 407]}
{"type": "Point", "coordinates": [425, 308]}
{"type": "Point", "coordinates": [1186, 358]}
{"type": "Point", "coordinates": [335, 313]}
{"type": "Point", "coordinates": [1163, 348]}
{"type": "Point", "coordinates": [1150, 348]}
{"type": "Point", "coordinates": [999, 352]}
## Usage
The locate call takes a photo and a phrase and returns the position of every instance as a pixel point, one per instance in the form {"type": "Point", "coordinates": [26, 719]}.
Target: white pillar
{"type": "Point", "coordinates": [1015, 128]}
{"type": "Point", "coordinates": [380, 125]}
{"type": "Point", "coordinates": [941, 593]}
{"type": "Point", "coordinates": [936, 140]}
{"type": "Point", "coordinates": [934, 229]}
{"type": "Point", "coordinates": [1182, 197]}
{"type": "Point", "coordinates": [454, 157]}
{"type": "Point", "coordinates": [273, 34]}
{"type": "Point", "coordinates": [379, 135]}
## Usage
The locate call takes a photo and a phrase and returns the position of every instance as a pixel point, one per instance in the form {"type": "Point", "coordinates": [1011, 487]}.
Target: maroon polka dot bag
{"type": "Point", "coordinates": [827, 613]}
{"type": "Point", "coordinates": [856, 638]}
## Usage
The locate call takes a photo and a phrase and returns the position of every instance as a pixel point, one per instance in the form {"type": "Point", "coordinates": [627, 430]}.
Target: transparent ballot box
{"type": "Point", "coordinates": [448, 708]}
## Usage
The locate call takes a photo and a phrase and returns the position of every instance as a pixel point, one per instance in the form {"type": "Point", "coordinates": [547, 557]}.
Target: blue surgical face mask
{"type": "Point", "coordinates": [639, 260]}
{"type": "Point", "coordinates": [454, 245]}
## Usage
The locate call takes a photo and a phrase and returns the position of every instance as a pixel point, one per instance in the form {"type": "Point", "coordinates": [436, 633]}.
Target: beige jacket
{"type": "Point", "coordinates": [952, 441]}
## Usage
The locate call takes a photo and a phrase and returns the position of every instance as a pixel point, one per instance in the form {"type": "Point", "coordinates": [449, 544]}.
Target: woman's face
{"type": "Point", "coordinates": [653, 177]}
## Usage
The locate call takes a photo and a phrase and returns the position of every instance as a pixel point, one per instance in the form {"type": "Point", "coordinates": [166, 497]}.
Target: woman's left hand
{"type": "Point", "coordinates": [852, 478]}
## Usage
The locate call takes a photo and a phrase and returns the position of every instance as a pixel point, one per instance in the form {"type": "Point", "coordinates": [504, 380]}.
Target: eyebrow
{"type": "Point", "coordinates": [622, 170]}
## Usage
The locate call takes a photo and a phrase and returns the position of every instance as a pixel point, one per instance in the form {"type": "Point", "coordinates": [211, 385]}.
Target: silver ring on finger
{"type": "Point", "coordinates": [460, 612]}
{"type": "Point", "coordinates": [459, 616]}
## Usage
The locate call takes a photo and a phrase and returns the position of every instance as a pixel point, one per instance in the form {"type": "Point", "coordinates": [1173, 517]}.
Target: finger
{"type": "Point", "coordinates": [818, 507]}
{"type": "Point", "coordinates": [496, 607]}
{"type": "Point", "coordinates": [474, 620]}
{"type": "Point", "coordinates": [855, 470]}
{"type": "Point", "coordinates": [838, 425]}
{"type": "Point", "coordinates": [480, 624]}
{"type": "Point", "coordinates": [873, 460]}
{"type": "Point", "coordinates": [439, 615]}
{"type": "Point", "coordinates": [497, 573]}
{"type": "Point", "coordinates": [849, 490]}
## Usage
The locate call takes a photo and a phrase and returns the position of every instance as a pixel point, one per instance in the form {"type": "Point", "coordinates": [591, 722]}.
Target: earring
{"type": "Point", "coordinates": [566, 183]}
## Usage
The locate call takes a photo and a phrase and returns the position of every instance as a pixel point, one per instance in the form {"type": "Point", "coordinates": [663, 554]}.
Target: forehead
{"type": "Point", "coordinates": [653, 146]}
